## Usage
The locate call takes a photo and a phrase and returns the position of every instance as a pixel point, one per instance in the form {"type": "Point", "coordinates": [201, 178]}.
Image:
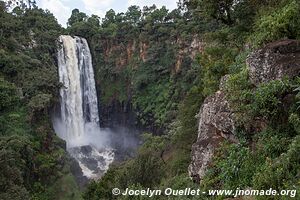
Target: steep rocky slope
{"type": "Point", "coordinates": [275, 61]}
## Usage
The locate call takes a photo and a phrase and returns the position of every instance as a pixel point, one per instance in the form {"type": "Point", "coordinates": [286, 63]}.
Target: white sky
{"type": "Point", "coordinates": [62, 8]}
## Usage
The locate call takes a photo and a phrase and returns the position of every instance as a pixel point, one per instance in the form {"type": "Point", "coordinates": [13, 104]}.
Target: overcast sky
{"type": "Point", "coordinates": [62, 8]}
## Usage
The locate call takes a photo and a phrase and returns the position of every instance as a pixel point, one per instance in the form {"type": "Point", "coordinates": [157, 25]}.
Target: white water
{"type": "Point", "coordinates": [78, 121]}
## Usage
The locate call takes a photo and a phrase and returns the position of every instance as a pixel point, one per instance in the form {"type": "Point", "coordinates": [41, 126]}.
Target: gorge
{"type": "Point", "coordinates": [205, 96]}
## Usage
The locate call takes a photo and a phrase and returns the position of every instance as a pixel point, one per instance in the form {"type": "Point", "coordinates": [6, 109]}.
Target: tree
{"type": "Point", "coordinates": [76, 16]}
{"type": "Point", "coordinates": [94, 20]}
{"type": "Point", "coordinates": [110, 17]}
{"type": "Point", "coordinates": [21, 3]}
{"type": "Point", "coordinates": [158, 15]}
{"type": "Point", "coordinates": [133, 14]}
{"type": "Point", "coordinates": [217, 9]}
{"type": "Point", "coordinates": [15, 160]}
{"type": "Point", "coordinates": [8, 94]}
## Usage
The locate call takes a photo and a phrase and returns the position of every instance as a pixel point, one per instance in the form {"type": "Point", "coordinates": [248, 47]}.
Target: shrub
{"type": "Point", "coordinates": [249, 103]}
{"type": "Point", "coordinates": [215, 62]}
{"type": "Point", "coordinates": [268, 99]}
{"type": "Point", "coordinates": [237, 169]}
{"type": "Point", "coordinates": [283, 22]}
{"type": "Point", "coordinates": [281, 172]}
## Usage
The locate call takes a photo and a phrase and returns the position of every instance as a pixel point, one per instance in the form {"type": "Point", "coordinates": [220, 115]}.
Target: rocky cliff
{"type": "Point", "coordinates": [127, 59]}
{"type": "Point", "coordinates": [134, 51]}
{"type": "Point", "coordinates": [216, 118]}
{"type": "Point", "coordinates": [275, 61]}
{"type": "Point", "coordinates": [216, 123]}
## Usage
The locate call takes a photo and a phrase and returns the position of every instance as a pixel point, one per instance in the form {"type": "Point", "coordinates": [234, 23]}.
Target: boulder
{"type": "Point", "coordinates": [215, 124]}
{"type": "Point", "coordinates": [275, 61]}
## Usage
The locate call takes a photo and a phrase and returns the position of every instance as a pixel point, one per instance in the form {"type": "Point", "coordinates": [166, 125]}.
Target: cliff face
{"type": "Point", "coordinates": [216, 118]}
{"type": "Point", "coordinates": [188, 48]}
{"type": "Point", "coordinates": [135, 51]}
{"type": "Point", "coordinates": [120, 60]}
{"type": "Point", "coordinates": [216, 123]}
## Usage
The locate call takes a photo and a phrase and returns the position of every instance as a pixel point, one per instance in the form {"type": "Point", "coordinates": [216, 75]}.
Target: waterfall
{"type": "Point", "coordinates": [78, 107]}
{"type": "Point", "coordinates": [78, 119]}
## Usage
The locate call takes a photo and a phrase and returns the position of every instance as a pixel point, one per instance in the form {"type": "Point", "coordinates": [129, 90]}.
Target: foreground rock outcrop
{"type": "Point", "coordinates": [215, 124]}
{"type": "Point", "coordinates": [216, 119]}
{"type": "Point", "coordinates": [275, 61]}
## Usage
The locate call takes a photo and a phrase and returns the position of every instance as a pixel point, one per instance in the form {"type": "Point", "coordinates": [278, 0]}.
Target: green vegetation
{"type": "Point", "coordinates": [164, 64]}
{"type": "Point", "coordinates": [283, 21]}
{"type": "Point", "coordinates": [33, 163]}
{"type": "Point", "coordinates": [135, 54]}
{"type": "Point", "coordinates": [167, 86]}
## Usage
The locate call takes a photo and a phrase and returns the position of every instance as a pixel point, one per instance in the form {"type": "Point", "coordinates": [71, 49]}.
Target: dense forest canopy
{"type": "Point", "coordinates": [161, 64]}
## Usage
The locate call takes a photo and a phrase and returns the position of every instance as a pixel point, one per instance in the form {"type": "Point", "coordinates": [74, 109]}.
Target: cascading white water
{"type": "Point", "coordinates": [71, 93]}
{"type": "Point", "coordinates": [78, 121]}
{"type": "Point", "coordinates": [78, 96]}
